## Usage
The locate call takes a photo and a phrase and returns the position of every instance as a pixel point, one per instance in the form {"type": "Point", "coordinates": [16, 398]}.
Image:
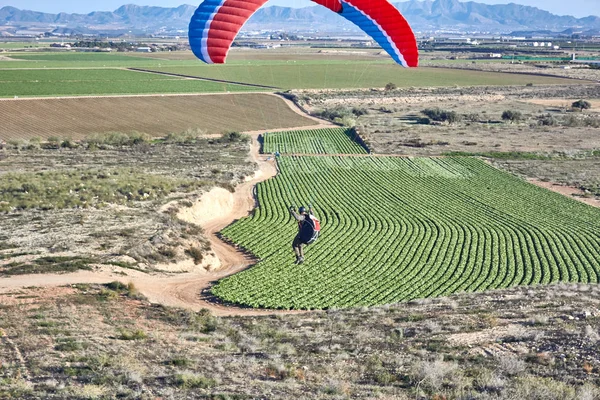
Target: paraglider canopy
{"type": "Point", "coordinates": [216, 23]}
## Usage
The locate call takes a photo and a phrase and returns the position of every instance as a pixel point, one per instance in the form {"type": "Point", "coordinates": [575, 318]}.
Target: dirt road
{"type": "Point", "coordinates": [187, 289]}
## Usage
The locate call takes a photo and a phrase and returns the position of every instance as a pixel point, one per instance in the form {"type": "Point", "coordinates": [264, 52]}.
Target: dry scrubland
{"type": "Point", "coordinates": [85, 342]}
{"type": "Point", "coordinates": [79, 118]}
{"type": "Point", "coordinates": [548, 141]}
{"type": "Point", "coordinates": [574, 72]}
{"type": "Point", "coordinates": [66, 206]}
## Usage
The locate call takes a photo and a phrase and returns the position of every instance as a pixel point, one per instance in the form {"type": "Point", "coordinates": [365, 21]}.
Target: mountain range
{"type": "Point", "coordinates": [427, 15]}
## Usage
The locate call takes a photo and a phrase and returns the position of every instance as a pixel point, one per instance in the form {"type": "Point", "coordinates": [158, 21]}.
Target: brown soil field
{"type": "Point", "coordinates": [77, 118]}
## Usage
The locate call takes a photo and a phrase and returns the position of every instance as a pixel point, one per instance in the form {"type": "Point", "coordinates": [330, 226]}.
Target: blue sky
{"type": "Point", "coordinates": [578, 8]}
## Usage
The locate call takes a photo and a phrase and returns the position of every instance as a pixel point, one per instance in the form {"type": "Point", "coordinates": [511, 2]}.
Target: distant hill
{"type": "Point", "coordinates": [424, 15]}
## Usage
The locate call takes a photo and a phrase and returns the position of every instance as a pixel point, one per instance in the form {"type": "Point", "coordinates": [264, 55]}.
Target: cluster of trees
{"type": "Point", "coordinates": [121, 46]}
{"type": "Point", "coordinates": [283, 36]}
{"type": "Point", "coordinates": [439, 115]}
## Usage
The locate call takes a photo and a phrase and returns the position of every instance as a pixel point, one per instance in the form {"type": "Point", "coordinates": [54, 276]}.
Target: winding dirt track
{"type": "Point", "coordinates": [186, 290]}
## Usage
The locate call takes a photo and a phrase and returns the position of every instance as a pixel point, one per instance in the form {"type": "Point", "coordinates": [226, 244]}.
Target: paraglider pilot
{"type": "Point", "coordinates": [308, 230]}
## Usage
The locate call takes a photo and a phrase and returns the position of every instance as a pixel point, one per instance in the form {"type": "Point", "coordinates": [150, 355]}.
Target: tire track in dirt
{"type": "Point", "coordinates": [18, 356]}
{"type": "Point", "coordinates": [200, 78]}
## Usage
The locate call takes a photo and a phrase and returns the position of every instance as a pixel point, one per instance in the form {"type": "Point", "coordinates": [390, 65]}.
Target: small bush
{"type": "Point", "coordinates": [512, 116]}
{"type": "Point", "coordinates": [348, 121]}
{"type": "Point", "coordinates": [473, 117]}
{"type": "Point", "coordinates": [189, 136]}
{"type": "Point", "coordinates": [180, 362]}
{"type": "Point", "coordinates": [390, 86]}
{"type": "Point", "coordinates": [196, 253]}
{"type": "Point", "coordinates": [137, 334]}
{"type": "Point", "coordinates": [117, 139]}
{"type": "Point", "coordinates": [69, 345]}
{"type": "Point", "coordinates": [233, 137]}
{"type": "Point", "coordinates": [116, 287]}
{"type": "Point", "coordinates": [437, 114]}
{"type": "Point", "coordinates": [572, 121]}
{"type": "Point", "coordinates": [547, 120]}
{"type": "Point", "coordinates": [432, 374]}
{"type": "Point", "coordinates": [582, 105]}
{"type": "Point", "coordinates": [358, 111]}
{"type": "Point", "coordinates": [511, 365]}
{"type": "Point", "coordinates": [334, 113]}
{"type": "Point", "coordinates": [69, 144]}
{"type": "Point", "coordinates": [193, 381]}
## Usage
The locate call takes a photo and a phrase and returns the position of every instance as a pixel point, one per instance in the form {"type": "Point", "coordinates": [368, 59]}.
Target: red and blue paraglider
{"type": "Point", "coordinates": [216, 23]}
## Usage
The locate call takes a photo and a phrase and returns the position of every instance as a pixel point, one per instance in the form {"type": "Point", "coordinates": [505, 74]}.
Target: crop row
{"type": "Point", "coordinates": [315, 141]}
{"type": "Point", "coordinates": [396, 229]}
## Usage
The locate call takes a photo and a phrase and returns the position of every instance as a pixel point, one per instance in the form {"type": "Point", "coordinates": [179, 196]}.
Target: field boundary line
{"type": "Point", "coordinates": [149, 71]}
{"type": "Point", "coordinates": [130, 95]}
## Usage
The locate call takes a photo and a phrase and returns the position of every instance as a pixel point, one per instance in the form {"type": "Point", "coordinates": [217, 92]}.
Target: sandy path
{"type": "Point", "coordinates": [182, 290]}
{"type": "Point", "coordinates": [186, 290]}
{"type": "Point", "coordinates": [563, 103]}
{"type": "Point", "coordinates": [569, 191]}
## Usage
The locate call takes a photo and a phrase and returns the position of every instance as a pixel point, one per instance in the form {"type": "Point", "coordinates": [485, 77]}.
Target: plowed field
{"type": "Point", "coordinates": [156, 115]}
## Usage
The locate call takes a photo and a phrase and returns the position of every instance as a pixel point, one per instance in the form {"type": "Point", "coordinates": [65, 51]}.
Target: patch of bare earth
{"type": "Point", "coordinates": [573, 71]}
{"type": "Point", "coordinates": [77, 118]}
{"type": "Point", "coordinates": [569, 191]}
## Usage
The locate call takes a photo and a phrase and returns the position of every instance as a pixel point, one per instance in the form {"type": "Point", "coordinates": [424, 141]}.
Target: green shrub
{"type": "Point", "coordinates": [193, 381]}
{"type": "Point", "coordinates": [196, 253]}
{"type": "Point", "coordinates": [582, 105]}
{"type": "Point", "coordinates": [439, 115]}
{"type": "Point", "coordinates": [358, 111]}
{"type": "Point", "coordinates": [137, 334]}
{"type": "Point", "coordinates": [118, 139]}
{"type": "Point", "coordinates": [547, 120]}
{"type": "Point", "coordinates": [234, 137]}
{"type": "Point", "coordinates": [180, 362]}
{"type": "Point", "coordinates": [512, 116]}
{"type": "Point", "coordinates": [334, 113]}
{"type": "Point", "coordinates": [189, 136]}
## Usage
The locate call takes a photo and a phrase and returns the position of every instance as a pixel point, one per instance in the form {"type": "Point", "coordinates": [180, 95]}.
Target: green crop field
{"type": "Point", "coordinates": [22, 45]}
{"type": "Point", "coordinates": [396, 229]}
{"type": "Point", "coordinates": [76, 57]}
{"type": "Point", "coordinates": [347, 74]}
{"type": "Point", "coordinates": [323, 141]}
{"type": "Point", "coordinates": [66, 82]}
{"type": "Point", "coordinates": [299, 70]}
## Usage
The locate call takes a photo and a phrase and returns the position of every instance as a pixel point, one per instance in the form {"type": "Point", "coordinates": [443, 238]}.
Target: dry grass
{"type": "Point", "coordinates": [89, 341]}
{"type": "Point", "coordinates": [100, 202]}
